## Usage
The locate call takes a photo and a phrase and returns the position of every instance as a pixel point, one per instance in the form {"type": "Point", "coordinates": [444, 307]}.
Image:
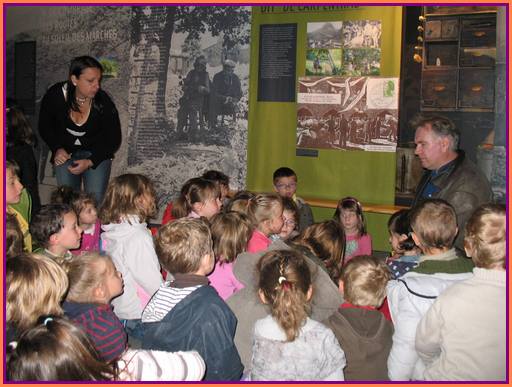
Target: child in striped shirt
{"type": "Point", "coordinates": [93, 283]}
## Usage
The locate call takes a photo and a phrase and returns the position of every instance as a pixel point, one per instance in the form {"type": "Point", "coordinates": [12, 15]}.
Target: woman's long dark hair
{"type": "Point", "coordinates": [76, 68]}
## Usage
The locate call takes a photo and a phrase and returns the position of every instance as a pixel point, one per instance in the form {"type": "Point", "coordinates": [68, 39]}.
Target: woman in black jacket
{"type": "Point", "coordinates": [81, 126]}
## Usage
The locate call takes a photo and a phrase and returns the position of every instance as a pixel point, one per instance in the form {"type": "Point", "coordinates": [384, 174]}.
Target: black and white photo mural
{"type": "Point", "coordinates": [188, 99]}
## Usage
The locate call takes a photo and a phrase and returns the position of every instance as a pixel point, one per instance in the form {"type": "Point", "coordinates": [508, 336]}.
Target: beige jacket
{"type": "Point", "coordinates": [463, 335]}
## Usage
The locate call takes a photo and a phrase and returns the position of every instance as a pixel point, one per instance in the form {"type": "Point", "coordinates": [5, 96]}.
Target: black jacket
{"type": "Point", "coordinates": [203, 322]}
{"type": "Point", "coordinates": [102, 129]}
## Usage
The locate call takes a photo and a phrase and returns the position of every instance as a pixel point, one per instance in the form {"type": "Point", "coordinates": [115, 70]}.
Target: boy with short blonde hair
{"type": "Point", "coordinates": [434, 226]}
{"type": "Point", "coordinates": [363, 332]}
{"type": "Point", "coordinates": [425, 220]}
{"type": "Point", "coordinates": [364, 282]}
{"type": "Point", "coordinates": [181, 249]}
{"type": "Point", "coordinates": [186, 313]}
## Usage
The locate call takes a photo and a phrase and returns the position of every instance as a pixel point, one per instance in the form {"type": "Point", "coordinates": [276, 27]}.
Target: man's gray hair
{"type": "Point", "coordinates": [441, 126]}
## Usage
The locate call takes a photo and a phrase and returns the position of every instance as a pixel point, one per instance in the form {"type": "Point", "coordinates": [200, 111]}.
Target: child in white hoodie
{"type": "Point", "coordinates": [434, 228]}
{"type": "Point", "coordinates": [129, 201]}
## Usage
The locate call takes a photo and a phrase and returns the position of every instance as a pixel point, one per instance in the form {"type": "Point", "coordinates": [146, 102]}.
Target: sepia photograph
{"type": "Point", "coordinates": [334, 113]}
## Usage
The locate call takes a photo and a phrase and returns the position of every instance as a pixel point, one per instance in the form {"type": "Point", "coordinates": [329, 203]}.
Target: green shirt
{"type": "Point", "coordinates": [47, 253]}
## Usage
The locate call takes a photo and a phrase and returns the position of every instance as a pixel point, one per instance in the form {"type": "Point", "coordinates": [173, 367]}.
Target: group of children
{"type": "Point", "coordinates": [248, 288]}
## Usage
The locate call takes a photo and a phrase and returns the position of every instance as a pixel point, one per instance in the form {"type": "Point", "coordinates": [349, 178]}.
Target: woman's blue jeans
{"type": "Point", "coordinates": [95, 180]}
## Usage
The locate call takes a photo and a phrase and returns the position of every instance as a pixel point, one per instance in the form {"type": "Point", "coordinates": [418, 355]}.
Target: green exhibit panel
{"type": "Point", "coordinates": [326, 173]}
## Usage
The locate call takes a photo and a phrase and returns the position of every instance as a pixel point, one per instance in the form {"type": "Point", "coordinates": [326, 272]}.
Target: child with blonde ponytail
{"type": "Point", "coordinates": [287, 344]}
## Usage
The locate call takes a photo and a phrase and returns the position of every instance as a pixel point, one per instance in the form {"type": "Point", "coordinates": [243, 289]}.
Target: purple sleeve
{"type": "Point", "coordinates": [105, 331]}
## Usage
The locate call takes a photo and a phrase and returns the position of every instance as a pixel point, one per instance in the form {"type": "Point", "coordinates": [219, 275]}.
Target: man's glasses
{"type": "Point", "coordinates": [283, 186]}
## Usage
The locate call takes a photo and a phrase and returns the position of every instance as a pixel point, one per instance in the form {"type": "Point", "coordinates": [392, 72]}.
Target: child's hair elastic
{"type": "Point", "coordinates": [284, 283]}
{"type": "Point", "coordinates": [47, 320]}
{"type": "Point", "coordinates": [44, 320]}
{"type": "Point", "coordinates": [282, 279]}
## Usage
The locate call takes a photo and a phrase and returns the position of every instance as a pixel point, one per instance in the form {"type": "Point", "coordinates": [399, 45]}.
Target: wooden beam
{"type": "Point", "coordinates": [367, 207]}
